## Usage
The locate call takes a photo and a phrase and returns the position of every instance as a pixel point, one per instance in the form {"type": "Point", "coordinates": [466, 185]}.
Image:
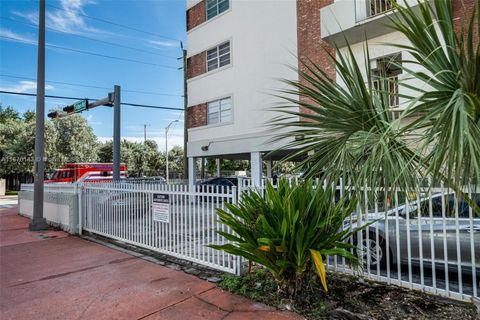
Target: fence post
{"type": "Point", "coordinates": [79, 189]}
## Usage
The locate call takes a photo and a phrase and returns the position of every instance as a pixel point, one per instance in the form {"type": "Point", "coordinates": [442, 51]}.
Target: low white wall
{"type": "Point", "coordinates": [59, 209]}
{"type": "Point", "coordinates": [57, 213]}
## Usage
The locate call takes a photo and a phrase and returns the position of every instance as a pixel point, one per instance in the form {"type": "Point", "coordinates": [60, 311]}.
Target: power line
{"type": "Point", "coordinates": [93, 53]}
{"type": "Point", "coordinates": [93, 39]}
{"type": "Point", "coordinates": [76, 98]}
{"type": "Point", "coordinates": [117, 24]}
{"type": "Point", "coordinates": [89, 86]}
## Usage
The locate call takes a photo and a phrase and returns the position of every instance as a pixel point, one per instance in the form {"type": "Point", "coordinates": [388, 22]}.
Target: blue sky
{"type": "Point", "coordinates": [67, 26]}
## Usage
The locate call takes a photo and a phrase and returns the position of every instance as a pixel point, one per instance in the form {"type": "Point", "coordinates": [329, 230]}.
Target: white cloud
{"type": "Point", "coordinates": [68, 19]}
{"type": "Point", "coordinates": [25, 86]}
{"type": "Point", "coordinates": [14, 36]}
{"type": "Point", "coordinates": [163, 43]}
{"type": "Point", "coordinates": [91, 121]}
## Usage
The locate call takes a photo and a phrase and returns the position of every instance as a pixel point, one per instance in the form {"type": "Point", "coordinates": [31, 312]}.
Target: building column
{"type": "Point", "coordinates": [218, 163]}
{"type": "Point", "coordinates": [192, 173]}
{"type": "Point", "coordinates": [202, 168]}
{"type": "Point", "coordinates": [269, 168]}
{"type": "Point", "coordinates": [256, 168]}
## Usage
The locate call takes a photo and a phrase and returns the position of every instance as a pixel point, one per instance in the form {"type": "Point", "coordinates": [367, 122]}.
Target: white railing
{"type": "Point", "coordinates": [428, 239]}
{"type": "Point", "coordinates": [53, 187]}
{"type": "Point", "coordinates": [377, 7]}
{"type": "Point", "coordinates": [171, 219]}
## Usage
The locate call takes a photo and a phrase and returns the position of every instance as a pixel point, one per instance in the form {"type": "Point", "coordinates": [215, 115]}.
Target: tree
{"type": "Point", "coordinates": [76, 141]}
{"type": "Point", "coordinates": [142, 159]}
{"type": "Point", "coordinates": [66, 140]}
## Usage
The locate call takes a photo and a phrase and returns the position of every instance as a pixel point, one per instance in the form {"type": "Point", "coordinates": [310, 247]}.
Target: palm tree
{"type": "Point", "coordinates": [347, 130]}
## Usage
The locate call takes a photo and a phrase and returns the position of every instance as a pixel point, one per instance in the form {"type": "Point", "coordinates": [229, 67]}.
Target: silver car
{"type": "Point", "coordinates": [454, 245]}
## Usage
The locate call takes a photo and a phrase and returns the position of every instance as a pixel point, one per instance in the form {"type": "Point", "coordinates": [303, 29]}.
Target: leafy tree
{"type": "Point", "coordinates": [8, 113]}
{"type": "Point", "coordinates": [141, 159]}
{"type": "Point", "coordinates": [66, 140]}
{"type": "Point", "coordinates": [76, 141]}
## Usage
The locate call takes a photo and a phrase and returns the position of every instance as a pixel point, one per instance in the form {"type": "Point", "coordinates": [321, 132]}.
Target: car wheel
{"type": "Point", "coordinates": [371, 252]}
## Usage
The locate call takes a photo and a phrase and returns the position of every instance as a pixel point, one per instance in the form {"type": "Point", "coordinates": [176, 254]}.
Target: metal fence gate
{"type": "Point", "coordinates": [170, 219]}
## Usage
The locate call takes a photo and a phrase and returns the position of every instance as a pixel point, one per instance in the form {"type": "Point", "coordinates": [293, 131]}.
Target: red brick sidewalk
{"type": "Point", "coordinates": [50, 275]}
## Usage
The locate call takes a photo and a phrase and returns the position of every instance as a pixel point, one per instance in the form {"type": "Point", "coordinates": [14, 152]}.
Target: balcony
{"type": "Point", "coordinates": [357, 20]}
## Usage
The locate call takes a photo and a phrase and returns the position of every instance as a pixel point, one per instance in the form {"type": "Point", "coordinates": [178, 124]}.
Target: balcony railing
{"type": "Point", "coordinates": [377, 7]}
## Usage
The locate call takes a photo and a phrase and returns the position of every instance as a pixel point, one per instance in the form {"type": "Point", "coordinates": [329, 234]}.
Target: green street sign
{"type": "Point", "coordinates": [80, 106]}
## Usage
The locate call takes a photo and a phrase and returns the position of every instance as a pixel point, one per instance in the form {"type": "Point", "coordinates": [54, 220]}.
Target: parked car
{"type": "Point", "coordinates": [220, 182]}
{"type": "Point", "coordinates": [211, 190]}
{"type": "Point", "coordinates": [418, 229]}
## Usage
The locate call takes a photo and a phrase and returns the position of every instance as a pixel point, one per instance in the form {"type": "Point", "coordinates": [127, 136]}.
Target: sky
{"type": "Point", "coordinates": [80, 25]}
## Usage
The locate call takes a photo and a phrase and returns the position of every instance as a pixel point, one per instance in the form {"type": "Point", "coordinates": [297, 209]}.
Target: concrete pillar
{"type": "Point", "coordinates": [192, 173]}
{"type": "Point", "coordinates": [218, 165]}
{"type": "Point", "coordinates": [269, 168]}
{"type": "Point", "coordinates": [202, 168]}
{"type": "Point", "coordinates": [256, 168]}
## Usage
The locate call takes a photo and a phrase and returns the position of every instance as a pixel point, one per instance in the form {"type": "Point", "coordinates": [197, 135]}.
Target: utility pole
{"type": "Point", "coordinates": [38, 221]}
{"type": "Point", "coordinates": [144, 133]}
{"type": "Point", "coordinates": [116, 133]}
{"type": "Point", "coordinates": [166, 149]}
{"type": "Point", "coordinates": [185, 107]}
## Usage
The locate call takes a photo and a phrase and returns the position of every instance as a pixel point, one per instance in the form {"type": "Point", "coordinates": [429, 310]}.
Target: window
{"type": "Point", "coordinates": [216, 7]}
{"type": "Point", "coordinates": [219, 111]}
{"type": "Point", "coordinates": [385, 77]}
{"type": "Point", "coordinates": [219, 56]}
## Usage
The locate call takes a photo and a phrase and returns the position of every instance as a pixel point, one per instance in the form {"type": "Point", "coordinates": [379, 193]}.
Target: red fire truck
{"type": "Point", "coordinates": [86, 172]}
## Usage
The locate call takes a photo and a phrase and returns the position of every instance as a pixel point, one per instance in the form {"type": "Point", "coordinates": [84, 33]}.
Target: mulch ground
{"type": "Point", "coordinates": [350, 297]}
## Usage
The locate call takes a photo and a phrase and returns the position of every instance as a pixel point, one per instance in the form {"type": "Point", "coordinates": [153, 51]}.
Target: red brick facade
{"type": "Point", "coordinates": [196, 15]}
{"type": "Point", "coordinates": [196, 65]}
{"type": "Point", "coordinates": [309, 42]}
{"type": "Point", "coordinates": [462, 11]}
{"type": "Point", "coordinates": [197, 115]}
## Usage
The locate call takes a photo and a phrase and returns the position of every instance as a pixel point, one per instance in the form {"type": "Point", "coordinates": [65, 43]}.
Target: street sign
{"type": "Point", "coordinates": [161, 207]}
{"type": "Point", "coordinates": [80, 106]}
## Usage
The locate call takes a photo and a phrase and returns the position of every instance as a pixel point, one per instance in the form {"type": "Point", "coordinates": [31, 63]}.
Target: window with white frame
{"type": "Point", "coordinates": [219, 56]}
{"type": "Point", "coordinates": [219, 111]}
{"type": "Point", "coordinates": [216, 7]}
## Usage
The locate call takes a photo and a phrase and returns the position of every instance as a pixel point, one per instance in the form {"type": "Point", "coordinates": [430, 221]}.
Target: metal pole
{"type": "Point", "coordinates": [38, 221]}
{"type": "Point", "coordinates": [166, 147]}
{"type": "Point", "coordinates": [144, 133]}
{"type": "Point", "coordinates": [116, 133]}
{"type": "Point", "coordinates": [185, 112]}
{"type": "Point", "coordinates": [166, 153]}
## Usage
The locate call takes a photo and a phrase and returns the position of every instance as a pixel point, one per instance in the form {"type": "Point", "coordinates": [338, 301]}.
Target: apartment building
{"type": "Point", "coordinates": [239, 50]}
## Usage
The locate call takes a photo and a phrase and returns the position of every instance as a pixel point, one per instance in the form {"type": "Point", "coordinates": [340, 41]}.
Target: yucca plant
{"type": "Point", "coordinates": [345, 126]}
{"type": "Point", "coordinates": [289, 231]}
{"type": "Point", "coordinates": [450, 106]}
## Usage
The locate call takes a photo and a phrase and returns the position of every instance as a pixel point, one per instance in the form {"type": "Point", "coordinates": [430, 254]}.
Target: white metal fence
{"type": "Point", "coordinates": [170, 219]}
{"type": "Point", "coordinates": [426, 240]}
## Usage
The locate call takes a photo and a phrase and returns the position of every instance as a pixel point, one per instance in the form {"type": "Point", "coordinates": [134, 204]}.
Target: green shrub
{"type": "Point", "coordinates": [289, 231]}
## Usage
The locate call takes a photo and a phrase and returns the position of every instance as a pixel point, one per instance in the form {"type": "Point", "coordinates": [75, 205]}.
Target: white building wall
{"type": "Point", "coordinates": [263, 37]}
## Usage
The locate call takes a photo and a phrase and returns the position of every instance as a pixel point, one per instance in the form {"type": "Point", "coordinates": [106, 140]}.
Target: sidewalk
{"type": "Point", "coordinates": [51, 275]}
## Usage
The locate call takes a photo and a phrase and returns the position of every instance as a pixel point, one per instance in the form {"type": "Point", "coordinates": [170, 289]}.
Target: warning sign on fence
{"type": "Point", "coordinates": [161, 207]}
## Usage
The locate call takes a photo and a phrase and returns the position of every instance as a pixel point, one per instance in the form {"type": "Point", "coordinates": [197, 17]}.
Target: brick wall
{"type": "Point", "coordinates": [197, 115]}
{"type": "Point", "coordinates": [462, 11]}
{"type": "Point", "coordinates": [309, 41]}
{"type": "Point", "coordinates": [196, 15]}
{"type": "Point", "coordinates": [196, 65]}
